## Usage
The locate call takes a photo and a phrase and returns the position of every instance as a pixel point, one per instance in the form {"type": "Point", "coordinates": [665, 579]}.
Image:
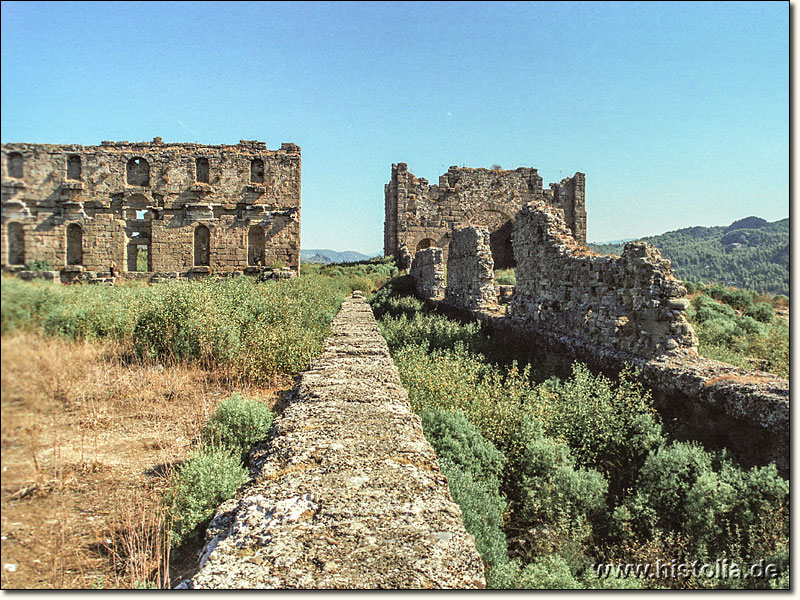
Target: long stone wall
{"type": "Point", "coordinates": [427, 271]}
{"type": "Point", "coordinates": [188, 207]}
{"type": "Point", "coordinates": [419, 215]}
{"type": "Point", "coordinates": [348, 493]}
{"type": "Point", "coordinates": [609, 312]}
{"type": "Point", "coordinates": [632, 303]}
{"type": "Point", "coordinates": [470, 269]}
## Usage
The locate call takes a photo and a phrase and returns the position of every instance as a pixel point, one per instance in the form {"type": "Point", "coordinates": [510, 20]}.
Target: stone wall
{"type": "Point", "coordinates": [470, 269]}
{"type": "Point", "coordinates": [721, 405]}
{"type": "Point", "coordinates": [427, 270]}
{"type": "Point", "coordinates": [419, 215]}
{"type": "Point", "coordinates": [348, 493]}
{"type": "Point", "coordinates": [632, 303]}
{"type": "Point", "coordinates": [190, 207]}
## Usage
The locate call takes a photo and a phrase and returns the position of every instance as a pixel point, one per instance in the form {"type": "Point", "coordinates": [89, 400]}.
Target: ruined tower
{"type": "Point", "coordinates": [419, 215]}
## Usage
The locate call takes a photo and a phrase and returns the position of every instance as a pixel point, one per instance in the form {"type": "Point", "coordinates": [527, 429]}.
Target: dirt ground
{"type": "Point", "coordinates": [89, 438]}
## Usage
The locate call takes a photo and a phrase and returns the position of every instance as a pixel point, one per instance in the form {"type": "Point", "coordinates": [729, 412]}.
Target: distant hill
{"type": "Point", "coordinates": [332, 256]}
{"type": "Point", "coordinates": [749, 253]}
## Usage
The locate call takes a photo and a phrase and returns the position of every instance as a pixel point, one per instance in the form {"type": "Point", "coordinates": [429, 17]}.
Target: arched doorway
{"type": "Point", "coordinates": [255, 246]}
{"type": "Point", "coordinates": [202, 246]}
{"type": "Point", "coordinates": [16, 244]}
{"type": "Point", "coordinates": [426, 243]}
{"type": "Point", "coordinates": [74, 244]}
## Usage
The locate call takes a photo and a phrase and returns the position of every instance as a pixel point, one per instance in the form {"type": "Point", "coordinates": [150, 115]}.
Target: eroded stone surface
{"type": "Point", "coordinates": [193, 208]}
{"type": "Point", "coordinates": [348, 494]}
{"type": "Point", "coordinates": [470, 269]}
{"type": "Point", "coordinates": [427, 270]}
{"type": "Point", "coordinates": [631, 302]}
{"type": "Point", "coordinates": [419, 215]}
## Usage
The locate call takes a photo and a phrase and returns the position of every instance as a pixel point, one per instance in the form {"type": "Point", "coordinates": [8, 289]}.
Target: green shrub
{"type": "Point", "coordinates": [455, 438]}
{"type": "Point", "coordinates": [552, 488]}
{"type": "Point", "coordinates": [749, 326]}
{"type": "Point", "coordinates": [706, 309]}
{"type": "Point", "coordinates": [482, 508]}
{"type": "Point", "coordinates": [39, 265]}
{"type": "Point", "coordinates": [237, 424]}
{"type": "Point", "coordinates": [505, 277]}
{"type": "Point", "coordinates": [202, 483]}
{"type": "Point", "coordinates": [761, 311]}
{"type": "Point", "coordinates": [609, 426]}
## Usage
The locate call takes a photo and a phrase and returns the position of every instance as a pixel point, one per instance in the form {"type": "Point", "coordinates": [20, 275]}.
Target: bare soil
{"type": "Point", "coordinates": [90, 435]}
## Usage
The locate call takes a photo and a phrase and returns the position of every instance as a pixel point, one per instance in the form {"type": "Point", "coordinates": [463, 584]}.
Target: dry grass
{"type": "Point", "coordinates": [89, 437]}
{"type": "Point", "coordinates": [723, 379]}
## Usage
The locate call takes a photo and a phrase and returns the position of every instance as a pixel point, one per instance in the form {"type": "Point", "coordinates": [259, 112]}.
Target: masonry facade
{"type": "Point", "coordinates": [150, 206]}
{"type": "Point", "coordinates": [419, 215]}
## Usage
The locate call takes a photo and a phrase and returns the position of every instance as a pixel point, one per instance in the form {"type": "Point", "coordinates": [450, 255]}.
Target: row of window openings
{"type": "Point", "coordinates": [137, 170]}
{"type": "Point", "coordinates": [202, 246]}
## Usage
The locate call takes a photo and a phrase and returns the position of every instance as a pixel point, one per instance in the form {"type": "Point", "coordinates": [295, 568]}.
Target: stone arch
{"type": "Point", "coordinates": [201, 169]}
{"type": "Point", "coordinates": [74, 167]}
{"type": "Point", "coordinates": [502, 249]}
{"type": "Point", "coordinates": [255, 246]}
{"type": "Point", "coordinates": [256, 171]}
{"type": "Point", "coordinates": [137, 171]}
{"type": "Point", "coordinates": [74, 244]}
{"type": "Point", "coordinates": [16, 244]}
{"type": "Point", "coordinates": [426, 243]}
{"type": "Point", "coordinates": [500, 226]}
{"type": "Point", "coordinates": [202, 246]}
{"type": "Point", "coordinates": [14, 164]}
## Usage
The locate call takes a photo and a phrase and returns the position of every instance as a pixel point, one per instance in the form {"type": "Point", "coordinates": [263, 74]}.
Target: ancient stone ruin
{"type": "Point", "coordinates": [427, 270]}
{"type": "Point", "coordinates": [419, 215]}
{"type": "Point", "coordinates": [169, 209]}
{"type": "Point", "coordinates": [348, 494]}
{"type": "Point", "coordinates": [632, 303]}
{"type": "Point", "coordinates": [609, 312]}
{"type": "Point", "coordinates": [470, 269]}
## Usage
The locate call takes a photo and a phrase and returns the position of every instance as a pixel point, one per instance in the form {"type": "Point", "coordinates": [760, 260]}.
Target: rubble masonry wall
{"type": "Point", "coordinates": [120, 196]}
{"type": "Point", "coordinates": [470, 269]}
{"type": "Point", "coordinates": [348, 493]}
{"type": "Point", "coordinates": [427, 270]}
{"type": "Point", "coordinates": [632, 303]}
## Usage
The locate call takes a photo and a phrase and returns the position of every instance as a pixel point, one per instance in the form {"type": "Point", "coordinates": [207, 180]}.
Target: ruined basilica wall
{"type": "Point", "coordinates": [632, 303]}
{"type": "Point", "coordinates": [427, 271]}
{"type": "Point", "coordinates": [158, 203]}
{"type": "Point", "coordinates": [470, 270]}
{"type": "Point", "coordinates": [418, 214]}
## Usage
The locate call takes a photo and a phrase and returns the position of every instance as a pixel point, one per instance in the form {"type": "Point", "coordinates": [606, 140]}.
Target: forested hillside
{"type": "Point", "coordinates": [750, 253]}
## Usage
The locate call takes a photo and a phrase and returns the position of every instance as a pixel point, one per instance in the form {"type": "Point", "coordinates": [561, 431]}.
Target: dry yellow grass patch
{"type": "Point", "coordinates": [89, 437]}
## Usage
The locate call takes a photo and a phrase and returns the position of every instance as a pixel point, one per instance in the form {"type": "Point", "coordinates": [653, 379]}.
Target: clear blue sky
{"type": "Point", "coordinates": [678, 113]}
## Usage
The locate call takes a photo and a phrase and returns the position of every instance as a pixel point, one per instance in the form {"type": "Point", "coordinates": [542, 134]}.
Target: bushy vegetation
{"type": "Point", "coordinates": [201, 484]}
{"type": "Point", "coordinates": [217, 468]}
{"type": "Point", "coordinates": [740, 327]}
{"type": "Point", "coordinates": [556, 474]}
{"type": "Point", "coordinates": [750, 253]}
{"type": "Point", "coordinates": [505, 277]}
{"type": "Point", "coordinates": [237, 424]}
{"type": "Point", "coordinates": [250, 329]}
{"type": "Point", "coordinates": [366, 276]}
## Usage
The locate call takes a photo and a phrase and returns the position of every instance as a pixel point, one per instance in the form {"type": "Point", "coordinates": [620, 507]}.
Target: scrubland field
{"type": "Point", "coordinates": [127, 413]}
